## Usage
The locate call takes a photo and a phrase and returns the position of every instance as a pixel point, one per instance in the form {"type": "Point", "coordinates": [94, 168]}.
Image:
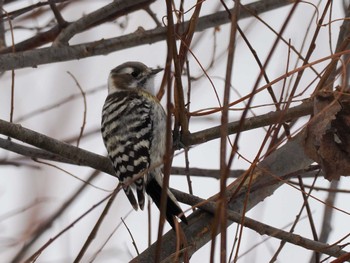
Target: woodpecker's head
{"type": "Point", "coordinates": [132, 75]}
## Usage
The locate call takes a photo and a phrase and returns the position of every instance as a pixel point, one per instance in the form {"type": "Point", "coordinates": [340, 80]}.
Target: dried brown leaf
{"type": "Point", "coordinates": [327, 137]}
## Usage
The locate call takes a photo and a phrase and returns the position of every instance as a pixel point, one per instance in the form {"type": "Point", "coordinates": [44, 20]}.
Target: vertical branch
{"type": "Point", "coordinates": [273, 48]}
{"type": "Point", "coordinates": [179, 61]}
{"type": "Point", "coordinates": [2, 26]}
{"type": "Point", "coordinates": [187, 162]}
{"type": "Point", "coordinates": [328, 215]}
{"type": "Point", "coordinates": [309, 215]}
{"type": "Point", "coordinates": [343, 36]}
{"type": "Point", "coordinates": [309, 53]}
{"type": "Point", "coordinates": [244, 114]}
{"type": "Point", "coordinates": [12, 71]}
{"type": "Point", "coordinates": [221, 212]}
{"type": "Point", "coordinates": [85, 107]}
{"type": "Point", "coordinates": [168, 153]}
{"type": "Point", "coordinates": [149, 214]}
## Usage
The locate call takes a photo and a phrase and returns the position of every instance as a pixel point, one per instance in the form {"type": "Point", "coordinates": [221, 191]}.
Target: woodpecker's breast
{"type": "Point", "coordinates": [133, 130]}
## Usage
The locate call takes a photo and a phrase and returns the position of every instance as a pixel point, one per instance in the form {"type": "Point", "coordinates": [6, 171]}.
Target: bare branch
{"type": "Point", "coordinates": [60, 20]}
{"type": "Point", "coordinates": [252, 123]}
{"type": "Point", "coordinates": [2, 26]}
{"type": "Point", "coordinates": [83, 94]}
{"type": "Point", "coordinates": [42, 248]}
{"type": "Point", "coordinates": [106, 13]}
{"type": "Point", "coordinates": [264, 229]}
{"type": "Point", "coordinates": [267, 177]}
{"type": "Point", "coordinates": [97, 226]}
{"type": "Point", "coordinates": [37, 233]}
{"type": "Point", "coordinates": [66, 151]}
{"type": "Point", "coordinates": [33, 58]}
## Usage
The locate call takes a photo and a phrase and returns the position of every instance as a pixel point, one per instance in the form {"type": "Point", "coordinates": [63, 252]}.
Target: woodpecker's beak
{"type": "Point", "coordinates": [155, 71]}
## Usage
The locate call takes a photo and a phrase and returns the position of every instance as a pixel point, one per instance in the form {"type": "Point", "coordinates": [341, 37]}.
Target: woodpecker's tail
{"type": "Point", "coordinates": [129, 194]}
{"type": "Point", "coordinates": [154, 189]}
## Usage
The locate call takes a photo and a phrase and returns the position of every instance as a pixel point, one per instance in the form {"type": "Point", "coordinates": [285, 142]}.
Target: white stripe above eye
{"type": "Point", "coordinates": [127, 70]}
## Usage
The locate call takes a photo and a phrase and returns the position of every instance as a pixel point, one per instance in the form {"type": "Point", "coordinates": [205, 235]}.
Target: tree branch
{"type": "Point", "coordinates": [269, 174]}
{"type": "Point", "coordinates": [55, 150]}
{"type": "Point", "coordinates": [62, 149]}
{"type": "Point", "coordinates": [252, 123]}
{"type": "Point", "coordinates": [33, 58]}
{"type": "Point", "coordinates": [263, 229]}
{"type": "Point", "coordinates": [106, 13]}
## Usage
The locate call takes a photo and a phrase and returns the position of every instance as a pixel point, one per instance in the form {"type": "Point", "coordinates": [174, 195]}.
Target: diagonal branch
{"type": "Point", "coordinates": [264, 229]}
{"type": "Point", "coordinates": [62, 149]}
{"type": "Point", "coordinates": [267, 177]}
{"type": "Point", "coordinates": [33, 58]}
{"type": "Point", "coordinates": [102, 15]}
{"type": "Point", "coordinates": [106, 13]}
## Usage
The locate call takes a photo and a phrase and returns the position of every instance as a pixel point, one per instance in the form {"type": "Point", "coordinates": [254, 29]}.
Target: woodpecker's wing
{"type": "Point", "coordinates": [127, 134]}
{"type": "Point", "coordinates": [133, 130]}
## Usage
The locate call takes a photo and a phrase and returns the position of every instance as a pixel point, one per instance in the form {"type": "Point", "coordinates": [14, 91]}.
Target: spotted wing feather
{"type": "Point", "coordinates": [127, 134]}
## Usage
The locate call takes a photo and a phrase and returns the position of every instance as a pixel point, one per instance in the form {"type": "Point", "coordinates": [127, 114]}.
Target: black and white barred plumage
{"type": "Point", "coordinates": [133, 130]}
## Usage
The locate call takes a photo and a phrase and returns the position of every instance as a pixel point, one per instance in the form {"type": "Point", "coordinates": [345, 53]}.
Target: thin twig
{"type": "Point", "coordinates": [57, 104]}
{"type": "Point", "coordinates": [309, 215]}
{"type": "Point", "coordinates": [251, 123]}
{"type": "Point", "coordinates": [85, 107]}
{"type": "Point", "coordinates": [94, 231]}
{"type": "Point", "coordinates": [171, 51]}
{"type": "Point", "coordinates": [153, 16]}
{"type": "Point", "coordinates": [328, 215]}
{"type": "Point", "coordinates": [30, 8]}
{"type": "Point", "coordinates": [72, 175]}
{"type": "Point", "coordinates": [15, 212]}
{"type": "Point", "coordinates": [132, 238]}
{"type": "Point", "coordinates": [220, 214]}
{"type": "Point", "coordinates": [49, 221]}
{"type": "Point", "coordinates": [283, 243]}
{"type": "Point", "coordinates": [12, 71]}
{"type": "Point", "coordinates": [51, 240]}
{"type": "Point", "coordinates": [2, 26]}
{"type": "Point", "coordinates": [92, 259]}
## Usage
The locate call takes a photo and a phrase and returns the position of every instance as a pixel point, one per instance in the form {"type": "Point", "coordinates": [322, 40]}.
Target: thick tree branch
{"type": "Point", "coordinates": [64, 150]}
{"type": "Point", "coordinates": [261, 228]}
{"type": "Point", "coordinates": [35, 153]}
{"type": "Point", "coordinates": [102, 15]}
{"type": "Point", "coordinates": [106, 13]}
{"type": "Point", "coordinates": [33, 58]}
{"type": "Point", "coordinates": [269, 174]}
{"type": "Point", "coordinates": [31, 152]}
{"type": "Point", "coordinates": [55, 150]}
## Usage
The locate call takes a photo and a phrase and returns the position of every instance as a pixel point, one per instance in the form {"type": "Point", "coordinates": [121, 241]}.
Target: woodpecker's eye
{"type": "Point", "coordinates": [135, 73]}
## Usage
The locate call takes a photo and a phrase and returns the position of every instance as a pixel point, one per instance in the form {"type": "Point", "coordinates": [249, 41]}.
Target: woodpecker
{"type": "Point", "coordinates": [133, 130]}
